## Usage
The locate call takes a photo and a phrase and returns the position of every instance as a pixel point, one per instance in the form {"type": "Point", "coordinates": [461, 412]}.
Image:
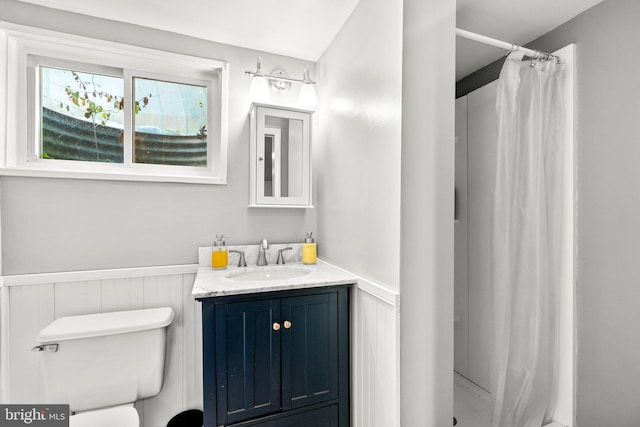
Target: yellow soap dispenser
{"type": "Point", "coordinates": [309, 252]}
{"type": "Point", "coordinates": [219, 254]}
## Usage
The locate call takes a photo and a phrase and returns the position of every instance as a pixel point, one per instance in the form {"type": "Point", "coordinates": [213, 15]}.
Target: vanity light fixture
{"type": "Point", "coordinates": [281, 82]}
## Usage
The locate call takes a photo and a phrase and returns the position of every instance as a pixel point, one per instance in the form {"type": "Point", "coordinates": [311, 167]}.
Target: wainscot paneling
{"type": "Point", "coordinates": [375, 355]}
{"type": "Point", "coordinates": [34, 301]}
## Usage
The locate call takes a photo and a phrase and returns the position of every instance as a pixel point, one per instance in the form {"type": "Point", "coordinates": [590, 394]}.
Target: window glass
{"type": "Point", "coordinates": [170, 123]}
{"type": "Point", "coordinates": [81, 116]}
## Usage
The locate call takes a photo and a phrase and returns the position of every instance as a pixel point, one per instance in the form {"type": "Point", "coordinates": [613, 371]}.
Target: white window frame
{"type": "Point", "coordinates": [24, 49]}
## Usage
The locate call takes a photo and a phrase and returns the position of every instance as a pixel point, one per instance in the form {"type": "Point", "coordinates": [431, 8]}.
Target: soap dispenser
{"type": "Point", "coordinates": [309, 253]}
{"type": "Point", "coordinates": [219, 254]}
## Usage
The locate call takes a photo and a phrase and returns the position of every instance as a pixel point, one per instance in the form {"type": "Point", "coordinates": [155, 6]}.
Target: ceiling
{"type": "Point", "coordinates": [305, 28]}
{"type": "Point", "coordinates": [299, 28]}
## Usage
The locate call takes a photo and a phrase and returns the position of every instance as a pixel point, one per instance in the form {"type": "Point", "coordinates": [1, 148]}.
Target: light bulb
{"type": "Point", "coordinates": [308, 97]}
{"type": "Point", "coordinates": [259, 89]}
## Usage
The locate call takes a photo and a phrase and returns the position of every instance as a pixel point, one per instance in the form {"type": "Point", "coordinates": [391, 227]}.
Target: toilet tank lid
{"type": "Point", "coordinates": [102, 324]}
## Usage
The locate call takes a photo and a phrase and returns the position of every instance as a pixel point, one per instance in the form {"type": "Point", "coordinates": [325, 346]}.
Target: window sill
{"type": "Point", "coordinates": [111, 176]}
{"type": "Point", "coordinates": [283, 206]}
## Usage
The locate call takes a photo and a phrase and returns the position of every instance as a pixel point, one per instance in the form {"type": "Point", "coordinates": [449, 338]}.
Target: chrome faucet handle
{"type": "Point", "coordinates": [280, 256]}
{"type": "Point", "coordinates": [262, 256]}
{"type": "Point", "coordinates": [241, 261]}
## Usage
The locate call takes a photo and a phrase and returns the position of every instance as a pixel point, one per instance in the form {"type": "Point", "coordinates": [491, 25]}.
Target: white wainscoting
{"type": "Point", "coordinates": [30, 302]}
{"type": "Point", "coordinates": [375, 355]}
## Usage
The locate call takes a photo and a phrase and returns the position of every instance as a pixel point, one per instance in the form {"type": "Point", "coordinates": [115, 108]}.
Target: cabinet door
{"type": "Point", "coordinates": [309, 349]}
{"type": "Point", "coordinates": [247, 360]}
{"type": "Point", "coordinates": [323, 417]}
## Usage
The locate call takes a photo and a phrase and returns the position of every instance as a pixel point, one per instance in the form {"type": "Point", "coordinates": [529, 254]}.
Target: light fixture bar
{"type": "Point", "coordinates": [284, 79]}
{"type": "Point", "coordinates": [259, 89]}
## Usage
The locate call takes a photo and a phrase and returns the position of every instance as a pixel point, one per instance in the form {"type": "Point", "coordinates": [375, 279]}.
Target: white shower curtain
{"type": "Point", "coordinates": [527, 244]}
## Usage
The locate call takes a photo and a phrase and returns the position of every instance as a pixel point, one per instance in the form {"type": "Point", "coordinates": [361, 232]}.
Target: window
{"type": "Point", "coordinates": [99, 110]}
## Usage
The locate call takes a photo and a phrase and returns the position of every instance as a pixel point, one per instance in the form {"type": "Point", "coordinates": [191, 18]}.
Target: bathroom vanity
{"type": "Point", "coordinates": [275, 345]}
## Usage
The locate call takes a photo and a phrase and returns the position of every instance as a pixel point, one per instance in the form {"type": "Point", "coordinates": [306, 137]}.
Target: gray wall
{"type": "Point", "coordinates": [385, 180]}
{"type": "Point", "coordinates": [357, 160]}
{"type": "Point", "coordinates": [608, 231]}
{"type": "Point", "coordinates": [64, 224]}
{"type": "Point", "coordinates": [428, 142]}
{"type": "Point", "coordinates": [608, 150]}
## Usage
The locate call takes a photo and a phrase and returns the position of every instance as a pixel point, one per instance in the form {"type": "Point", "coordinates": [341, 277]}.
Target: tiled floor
{"type": "Point", "coordinates": [471, 404]}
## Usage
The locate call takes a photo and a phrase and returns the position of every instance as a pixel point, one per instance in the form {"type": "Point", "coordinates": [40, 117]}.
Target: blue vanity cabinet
{"type": "Point", "coordinates": [277, 359]}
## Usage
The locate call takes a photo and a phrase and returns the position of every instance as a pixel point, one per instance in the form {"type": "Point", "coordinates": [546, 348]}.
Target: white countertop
{"type": "Point", "coordinates": [215, 283]}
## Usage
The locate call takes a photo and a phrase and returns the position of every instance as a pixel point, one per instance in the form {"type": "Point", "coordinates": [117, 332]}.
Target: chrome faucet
{"type": "Point", "coordinates": [280, 256]}
{"type": "Point", "coordinates": [262, 256]}
{"type": "Point", "coordinates": [241, 260]}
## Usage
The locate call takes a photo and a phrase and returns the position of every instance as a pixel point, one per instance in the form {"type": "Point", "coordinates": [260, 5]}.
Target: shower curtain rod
{"type": "Point", "coordinates": [504, 45]}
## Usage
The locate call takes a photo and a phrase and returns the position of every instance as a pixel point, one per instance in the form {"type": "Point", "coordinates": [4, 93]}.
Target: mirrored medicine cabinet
{"type": "Point", "coordinates": [280, 156]}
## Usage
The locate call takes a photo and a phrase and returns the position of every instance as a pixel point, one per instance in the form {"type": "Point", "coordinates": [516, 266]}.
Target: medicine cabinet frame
{"type": "Point", "coordinates": [262, 135]}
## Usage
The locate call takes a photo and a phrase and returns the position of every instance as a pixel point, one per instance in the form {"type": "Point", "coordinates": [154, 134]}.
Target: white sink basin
{"type": "Point", "coordinates": [276, 273]}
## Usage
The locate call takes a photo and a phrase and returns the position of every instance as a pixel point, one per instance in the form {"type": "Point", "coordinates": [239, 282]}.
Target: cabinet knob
{"type": "Point", "coordinates": [276, 326]}
{"type": "Point", "coordinates": [287, 324]}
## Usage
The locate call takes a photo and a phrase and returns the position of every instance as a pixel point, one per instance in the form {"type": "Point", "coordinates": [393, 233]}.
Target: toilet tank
{"type": "Point", "coordinates": [106, 359]}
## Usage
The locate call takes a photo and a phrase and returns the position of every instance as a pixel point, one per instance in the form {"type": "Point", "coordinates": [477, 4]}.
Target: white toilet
{"type": "Point", "coordinates": [100, 364]}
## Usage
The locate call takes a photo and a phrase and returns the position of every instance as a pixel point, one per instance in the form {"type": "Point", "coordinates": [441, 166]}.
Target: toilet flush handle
{"type": "Point", "coordinates": [46, 347]}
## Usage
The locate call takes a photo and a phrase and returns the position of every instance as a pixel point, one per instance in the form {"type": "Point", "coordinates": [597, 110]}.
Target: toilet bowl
{"type": "Point", "coordinates": [120, 416]}
{"type": "Point", "coordinates": [100, 364]}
